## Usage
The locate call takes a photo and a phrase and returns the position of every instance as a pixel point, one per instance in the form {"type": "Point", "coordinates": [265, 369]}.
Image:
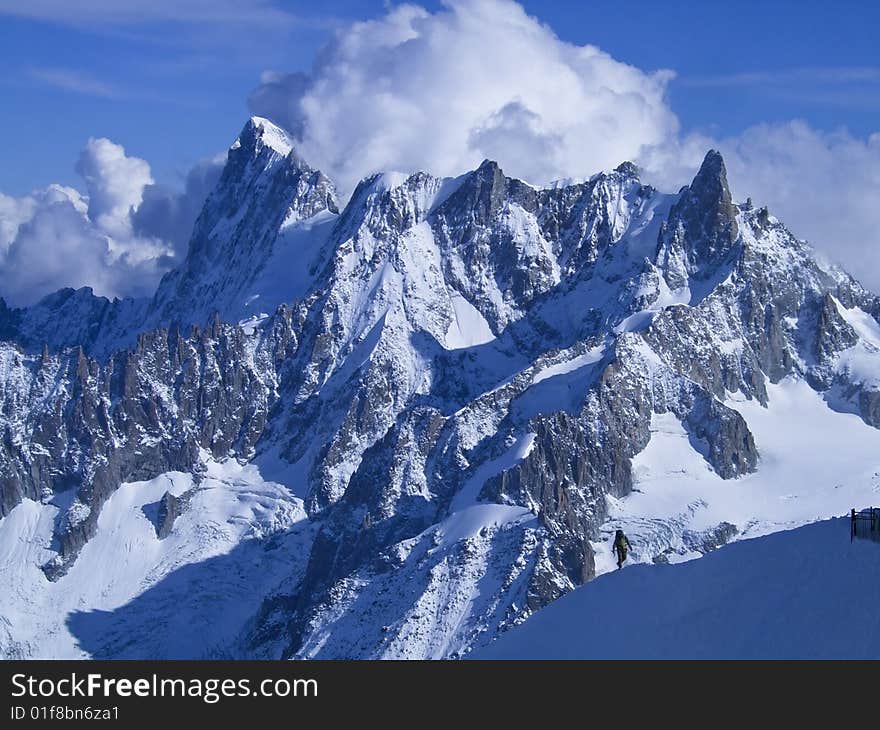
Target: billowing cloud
{"type": "Point", "coordinates": [115, 183]}
{"type": "Point", "coordinates": [823, 186]}
{"type": "Point", "coordinates": [416, 90]}
{"type": "Point", "coordinates": [119, 237]}
{"type": "Point", "coordinates": [479, 78]}
{"type": "Point", "coordinates": [168, 214]}
{"type": "Point", "coordinates": [58, 246]}
{"type": "Point", "coordinates": [13, 212]}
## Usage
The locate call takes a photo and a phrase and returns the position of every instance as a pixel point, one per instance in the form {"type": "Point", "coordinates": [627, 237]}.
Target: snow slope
{"type": "Point", "coordinates": [814, 463]}
{"type": "Point", "coordinates": [233, 511]}
{"type": "Point", "coordinates": [799, 594]}
{"type": "Point", "coordinates": [860, 363]}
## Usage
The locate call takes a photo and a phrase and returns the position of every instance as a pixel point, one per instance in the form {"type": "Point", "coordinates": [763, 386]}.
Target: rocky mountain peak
{"type": "Point", "coordinates": [702, 230]}
{"type": "Point", "coordinates": [484, 191]}
{"type": "Point", "coordinates": [482, 195]}
{"type": "Point", "coordinates": [627, 169]}
{"type": "Point", "coordinates": [265, 188]}
{"type": "Point", "coordinates": [712, 172]}
{"type": "Point", "coordinates": [258, 133]}
{"type": "Point", "coordinates": [260, 149]}
{"type": "Point", "coordinates": [709, 188]}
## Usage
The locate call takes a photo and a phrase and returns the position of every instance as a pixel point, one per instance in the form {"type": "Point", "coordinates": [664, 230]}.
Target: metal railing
{"type": "Point", "coordinates": [865, 524]}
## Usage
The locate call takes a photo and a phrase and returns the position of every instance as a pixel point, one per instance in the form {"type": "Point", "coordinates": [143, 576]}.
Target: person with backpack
{"type": "Point", "coordinates": [621, 545]}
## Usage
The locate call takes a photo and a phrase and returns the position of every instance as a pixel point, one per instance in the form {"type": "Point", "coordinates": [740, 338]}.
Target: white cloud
{"type": "Point", "coordinates": [479, 78]}
{"type": "Point", "coordinates": [91, 13]}
{"type": "Point", "coordinates": [115, 184]}
{"type": "Point", "coordinates": [76, 81]}
{"type": "Point", "coordinates": [56, 247]}
{"type": "Point", "coordinates": [782, 77]}
{"type": "Point", "coordinates": [823, 186]}
{"type": "Point", "coordinates": [13, 212]}
{"type": "Point", "coordinates": [107, 238]}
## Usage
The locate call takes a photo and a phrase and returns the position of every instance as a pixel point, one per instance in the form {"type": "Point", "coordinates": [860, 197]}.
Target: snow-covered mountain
{"type": "Point", "coordinates": [399, 428]}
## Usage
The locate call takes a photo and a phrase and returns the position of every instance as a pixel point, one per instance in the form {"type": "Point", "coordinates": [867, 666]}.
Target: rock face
{"type": "Point", "coordinates": [70, 318]}
{"type": "Point", "coordinates": [455, 374]}
{"type": "Point", "coordinates": [265, 188]}
{"type": "Point", "coordinates": [170, 508]}
{"type": "Point", "coordinates": [72, 423]}
{"type": "Point", "coordinates": [702, 230]}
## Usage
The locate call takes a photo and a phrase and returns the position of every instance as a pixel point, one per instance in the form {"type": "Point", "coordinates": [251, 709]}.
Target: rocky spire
{"type": "Point", "coordinates": [702, 229]}
{"type": "Point", "coordinates": [484, 193]}
{"type": "Point", "coordinates": [709, 194]}
{"type": "Point", "coordinates": [259, 133]}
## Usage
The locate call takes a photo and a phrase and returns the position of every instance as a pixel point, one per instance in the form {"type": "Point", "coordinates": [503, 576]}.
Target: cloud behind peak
{"type": "Point", "coordinates": [479, 78]}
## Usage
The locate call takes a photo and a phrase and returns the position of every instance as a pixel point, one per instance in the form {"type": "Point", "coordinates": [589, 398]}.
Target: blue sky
{"type": "Point", "coordinates": [173, 90]}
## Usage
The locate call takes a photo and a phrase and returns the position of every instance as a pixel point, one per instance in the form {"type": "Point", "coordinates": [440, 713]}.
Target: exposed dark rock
{"type": "Point", "coordinates": [702, 231]}
{"type": "Point", "coordinates": [708, 540]}
{"type": "Point", "coordinates": [833, 334]}
{"type": "Point", "coordinates": [169, 509]}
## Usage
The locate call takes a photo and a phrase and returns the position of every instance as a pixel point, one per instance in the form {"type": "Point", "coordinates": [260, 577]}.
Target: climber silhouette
{"type": "Point", "coordinates": [621, 545]}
